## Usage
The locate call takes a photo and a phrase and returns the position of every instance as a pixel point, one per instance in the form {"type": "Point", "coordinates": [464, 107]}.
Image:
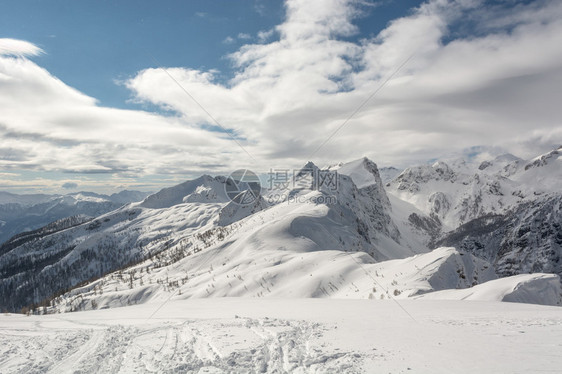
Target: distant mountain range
{"type": "Point", "coordinates": [507, 211]}
{"type": "Point", "coordinates": [431, 231]}
{"type": "Point", "coordinates": [19, 213]}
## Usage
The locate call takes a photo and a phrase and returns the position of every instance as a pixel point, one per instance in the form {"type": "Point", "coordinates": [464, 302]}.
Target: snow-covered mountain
{"type": "Point", "coordinates": [182, 220]}
{"type": "Point", "coordinates": [24, 200]}
{"type": "Point", "coordinates": [389, 173]}
{"type": "Point", "coordinates": [506, 211]}
{"type": "Point", "coordinates": [505, 164]}
{"type": "Point", "coordinates": [527, 239]}
{"type": "Point", "coordinates": [349, 241]}
{"type": "Point", "coordinates": [543, 173]}
{"type": "Point", "coordinates": [19, 213]}
{"type": "Point", "coordinates": [458, 193]}
{"type": "Point", "coordinates": [455, 196]}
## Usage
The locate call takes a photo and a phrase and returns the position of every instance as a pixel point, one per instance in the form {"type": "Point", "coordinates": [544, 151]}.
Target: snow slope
{"type": "Point", "coordinates": [542, 173]}
{"type": "Point", "coordinates": [61, 260]}
{"type": "Point", "coordinates": [201, 190]}
{"type": "Point", "coordinates": [389, 173]}
{"type": "Point", "coordinates": [294, 249]}
{"type": "Point", "coordinates": [284, 274]}
{"type": "Point", "coordinates": [288, 336]}
{"type": "Point", "coordinates": [363, 172]}
{"type": "Point", "coordinates": [524, 288]}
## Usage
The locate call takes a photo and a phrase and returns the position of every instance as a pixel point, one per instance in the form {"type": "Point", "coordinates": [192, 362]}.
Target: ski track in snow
{"type": "Point", "coordinates": [244, 345]}
{"type": "Point", "coordinates": [288, 336]}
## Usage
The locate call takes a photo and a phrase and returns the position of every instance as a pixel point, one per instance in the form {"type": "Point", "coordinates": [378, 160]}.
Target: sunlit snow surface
{"type": "Point", "coordinates": [237, 335]}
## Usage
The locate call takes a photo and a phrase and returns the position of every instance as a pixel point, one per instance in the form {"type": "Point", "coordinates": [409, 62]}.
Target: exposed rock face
{"type": "Point", "coordinates": [527, 239]}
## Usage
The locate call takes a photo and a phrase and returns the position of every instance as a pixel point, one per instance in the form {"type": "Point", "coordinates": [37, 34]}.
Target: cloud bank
{"type": "Point", "coordinates": [480, 74]}
{"type": "Point", "coordinates": [497, 85]}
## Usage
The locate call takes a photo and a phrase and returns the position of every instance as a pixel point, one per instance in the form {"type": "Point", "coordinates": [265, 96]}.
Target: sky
{"type": "Point", "coordinates": [111, 95]}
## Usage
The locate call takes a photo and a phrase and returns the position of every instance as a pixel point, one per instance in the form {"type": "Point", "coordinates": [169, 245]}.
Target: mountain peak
{"type": "Point", "coordinates": [545, 159]}
{"type": "Point", "coordinates": [506, 157]}
{"type": "Point", "coordinates": [308, 168]}
{"type": "Point", "coordinates": [363, 172]}
{"type": "Point", "coordinates": [306, 177]}
{"type": "Point", "coordinates": [206, 187]}
{"type": "Point", "coordinates": [440, 165]}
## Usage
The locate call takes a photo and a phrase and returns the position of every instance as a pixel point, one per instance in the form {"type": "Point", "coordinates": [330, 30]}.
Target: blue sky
{"type": "Point", "coordinates": [91, 44]}
{"type": "Point", "coordinates": [96, 94]}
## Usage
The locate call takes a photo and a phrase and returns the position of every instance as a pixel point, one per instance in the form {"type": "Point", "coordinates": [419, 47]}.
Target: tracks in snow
{"type": "Point", "coordinates": [204, 346]}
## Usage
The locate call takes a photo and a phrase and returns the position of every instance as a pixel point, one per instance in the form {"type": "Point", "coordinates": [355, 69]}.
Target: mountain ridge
{"type": "Point", "coordinates": [191, 239]}
{"type": "Point", "coordinates": [19, 213]}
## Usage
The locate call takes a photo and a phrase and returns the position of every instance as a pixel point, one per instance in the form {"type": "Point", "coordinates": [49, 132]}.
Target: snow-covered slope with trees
{"type": "Point", "coordinates": [352, 241]}
{"type": "Point", "coordinates": [180, 221]}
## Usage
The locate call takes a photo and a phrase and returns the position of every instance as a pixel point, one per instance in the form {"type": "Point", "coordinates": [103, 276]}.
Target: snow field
{"type": "Point", "coordinates": [249, 335]}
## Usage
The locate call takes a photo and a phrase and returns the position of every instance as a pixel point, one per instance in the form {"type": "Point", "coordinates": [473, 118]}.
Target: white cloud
{"type": "Point", "coordinates": [20, 48]}
{"type": "Point", "coordinates": [497, 85]}
{"type": "Point", "coordinates": [228, 40]}
{"type": "Point", "coordinates": [260, 8]}
{"type": "Point", "coordinates": [265, 35]}
{"type": "Point", "coordinates": [46, 125]}
{"type": "Point", "coordinates": [241, 36]}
